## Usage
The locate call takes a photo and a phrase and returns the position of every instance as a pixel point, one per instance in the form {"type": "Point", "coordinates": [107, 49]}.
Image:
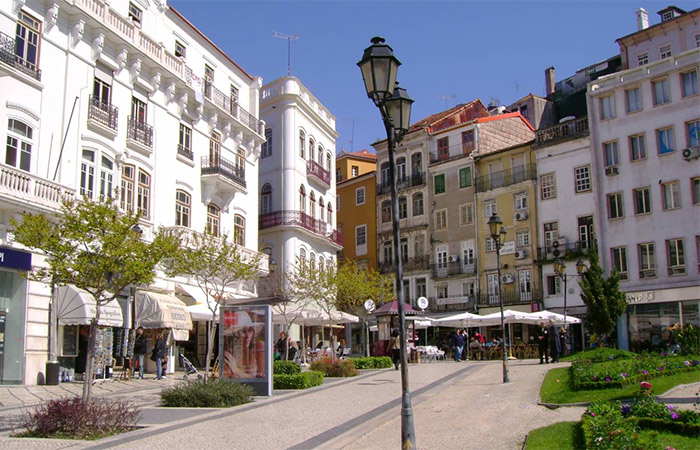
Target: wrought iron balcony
{"type": "Point", "coordinates": [315, 170]}
{"type": "Point", "coordinates": [32, 190]}
{"type": "Point", "coordinates": [564, 131]}
{"type": "Point", "coordinates": [9, 57]}
{"type": "Point", "coordinates": [412, 264]}
{"type": "Point", "coordinates": [506, 177]}
{"type": "Point", "coordinates": [565, 251]}
{"type": "Point", "coordinates": [140, 132]}
{"type": "Point", "coordinates": [227, 104]}
{"type": "Point", "coordinates": [291, 218]}
{"type": "Point", "coordinates": [103, 113]}
{"type": "Point", "coordinates": [416, 179]}
{"type": "Point", "coordinates": [185, 151]}
{"type": "Point", "coordinates": [510, 297]}
{"type": "Point", "coordinates": [227, 169]}
{"type": "Point", "coordinates": [452, 268]}
{"type": "Point", "coordinates": [457, 302]}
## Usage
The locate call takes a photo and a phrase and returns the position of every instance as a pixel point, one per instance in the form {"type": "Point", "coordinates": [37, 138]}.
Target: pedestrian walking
{"type": "Point", "coordinates": [281, 347]}
{"type": "Point", "coordinates": [554, 341]}
{"type": "Point", "coordinates": [457, 344]}
{"type": "Point", "coordinates": [395, 347]}
{"type": "Point", "coordinates": [140, 350]}
{"type": "Point", "coordinates": [543, 343]}
{"type": "Point", "coordinates": [158, 354]}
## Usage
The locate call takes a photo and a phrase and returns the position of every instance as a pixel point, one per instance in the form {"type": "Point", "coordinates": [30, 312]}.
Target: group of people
{"type": "Point", "coordinates": [550, 341]}
{"type": "Point", "coordinates": [287, 349]}
{"type": "Point", "coordinates": [158, 354]}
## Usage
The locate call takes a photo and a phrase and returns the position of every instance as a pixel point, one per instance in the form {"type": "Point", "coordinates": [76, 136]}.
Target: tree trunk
{"type": "Point", "coordinates": [90, 360]}
{"type": "Point", "coordinates": [330, 338]}
{"type": "Point", "coordinates": [367, 334]}
{"type": "Point", "coordinates": [210, 339]}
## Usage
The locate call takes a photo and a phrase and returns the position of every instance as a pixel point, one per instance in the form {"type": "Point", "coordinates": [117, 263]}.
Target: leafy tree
{"type": "Point", "coordinates": [605, 303]}
{"type": "Point", "coordinates": [93, 246]}
{"type": "Point", "coordinates": [217, 265]}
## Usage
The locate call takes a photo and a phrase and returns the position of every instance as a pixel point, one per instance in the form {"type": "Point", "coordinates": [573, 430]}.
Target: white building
{"type": "Point", "coordinates": [123, 96]}
{"type": "Point", "coordinates": [648, 193]}
{"type": "Point", "coordinates": [296, 185]}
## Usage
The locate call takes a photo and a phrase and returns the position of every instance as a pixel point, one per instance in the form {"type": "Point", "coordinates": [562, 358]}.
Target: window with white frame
{"type": "Point", "coordinates": [135, 14]}
{"type": "Point", "coordinates": [611, 155]}
{"type": "Point", "coordinates": [183, 206]}
{"type": "Point", "coordinates": [106, 177]}
{"type": "Point", "coordinates": [689, 83]}
{"type": "Point", "coordinates": [466, 214]}
{"type": "Point", "coordinates": [675, 256]}
{"type": "Point", "coordinates": [87, 174]}
{"type": "Point", "coordinates": [468, 289]}
{"type": "Point", "coordinates": [27, 40]}
{"type": "Point", "coordinates": [418, 204]}
{"type": "Point", "coordinates": [548, 186]}
{"type": "Point", "coordinates": [661, 91]}
{"type": "Point", "coordinates": [213, 220]}
{"type": "Point", "coordinates": [400, 169]}
{"type": "Point", "coordinates": [692, 133]}
{"type": "Point", "coordinates": [18, 151]}
{"type": "Point", "coordinates": [615, 208]}
{"type": "Point", "coordinates": [403, 208]}
{"type": "Point", "coordinates": [643, 59]}
{"type": "Point", "coordinates": [385, 174]}
{"type": "Point", "coordinates": [642, 200]}
{"type": "Point", "coordinates": [143, 195]}
{"type": "Point", "coordinates": [361, 237]}
{"type": "Point", "coordinates": [180, 49]}
{"type": "Point", "coordinates": [553, 285]}
{"type": "Point", "coordinates": [520, 201]}
{"type": "Point", "coordinates": [127, 187]}
{"type": "Point", "coordinates": [647, 260]}
{"type": "Point", "coordinates": [468, 253]}
{"type": "Point", "coordinates": [354, 171]}
{"type": "Point", "coordinates": [421, 288]}
{"type": "Point", "coordinates": [302, 143]}
{"type": "Point", "coordinates": [619, 261]}
{"type": "Point", "coordinates": [633, 97]}
{"type": "Point", "coordinates": [522, 238]}
{"type": "Point", "coordinates": [388, 252]}
{"type": "Point", "coordinates": [490, 208]}
{"type": "Point", "coordinates": [665, 51]}
{"type": "Point", "coordinates": [266, 199]}
{"type": "Point", "coordinates": [360, 196]}
{"type": "Point", "coordinates": [638, 148]}
{"type": "Point", "coordinates": [266, 147]}
{"type": "Point", "coordinates": [551, 233]}
{"type": "Point", "coordinates": [490, 245]}
{"type": "Point", "coordinates": [442, 291]}
{"type": "Point", "coordinates": [239, 229]}
{"type": "Point", "coordinates": [441, 219]}
{"type": "Point", "coordinates": [583, 178]}
{"type": "Point", "coordinates": [184, 146]}
{"type": "Point", "coordinates": [607, 107]}
{"type": "Point", "coordinates": [312, 145]}
{"type": "Point", "coordinates": [670, 195]}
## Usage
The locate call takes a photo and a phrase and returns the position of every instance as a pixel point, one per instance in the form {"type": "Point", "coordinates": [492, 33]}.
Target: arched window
{"type": "Point", "coordinates": [302, 199]}
{"type": "Point", "coordinates": [87, 173]}
{"type": "Point", "coordinates": [238, 229]}
{"type": "Point", "coordinates": [330, 214]}
{"type": "Point", "coordinates": [302, 143]}
{"type": "Point", "coordinates": [416, 164]}
{"type": "Point", "coordinates": [385, 174]}
{"type": "Point", "coordinates": [266, 149]}
{"type": "Point", "coordinates": [18, 152]}
{"type": "Point", "coordinates": [418, 204]}
{"type": "Point", "coordinates": [182, 208]}
{"type": "Point", "coordinates": [400, 169]}
{"type": "Point", "coordinates": [328, 161]}
{"type": "Point", "coordinates": [321, 263]}
{"type": "Point", "coordinates": [213, 219]}
{"type": "Point", "coordinates": [266, 199]}
{"type": "Point", "coordinates": [320, 155]}
{"type": "Point", "coordinates": [321, 207]}
{"type": "Point", "coordinates": [312, 204]}
{"type": "Point", "coordinates": [312, 144]}
{"type": "Point", "coordinates": [302, 257]}
{"type": "Point", "coordinates": [312, 260]}
{"type": "Point", "coordinates": [403, 208]}
{"type": "Point", "coordinates": [386, 211]}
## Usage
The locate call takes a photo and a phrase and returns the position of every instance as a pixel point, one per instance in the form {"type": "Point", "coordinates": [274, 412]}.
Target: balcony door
{"type": "Point", "coordinates": [138, 110]}
{"type": "Point", "coordinates": [468, 254]}
{"type": "Point", "coordinates": [525, 285]}
{"type": "Point", "coordinates": [492, 285]}
{"type": "Point", "coordinates": [215, 148]}
{"type": "Point", "coordinates": [585, 231]}
{"type": "Point", "coordinates": [27, 40]}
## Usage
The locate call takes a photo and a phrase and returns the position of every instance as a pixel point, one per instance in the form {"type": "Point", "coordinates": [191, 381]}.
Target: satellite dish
{"type": "Point", "coordinates": [369, 305]}
{"type": "Point", "coordinates": [422, 303]}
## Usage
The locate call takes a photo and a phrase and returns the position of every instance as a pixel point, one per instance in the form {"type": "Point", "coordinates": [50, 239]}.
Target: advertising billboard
{"type": "Point", "coordinates": [245, 346]}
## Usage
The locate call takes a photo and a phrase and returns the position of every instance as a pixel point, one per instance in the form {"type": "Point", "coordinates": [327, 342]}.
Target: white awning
{"type": "Point", "coordinates": [155, 310]}
{"type": "Point", "coordinates": [200, 310]}
{"type": "Point", "coordinates": [76, 306]}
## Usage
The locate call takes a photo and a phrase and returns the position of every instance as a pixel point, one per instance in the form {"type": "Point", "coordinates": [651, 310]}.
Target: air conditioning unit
{"type": "Point", "coordinates": [691, 153]}
{"type": "Point", "coordinates": [507, 278]}
{"type": "Point", "coordinates": [453, 258]}
{"type": "Point", "coordinates": [520, 254]}
{"type": "Point", "coordinates": [612, 170]}
{"type": "Point", "coordinates": [521, 215]}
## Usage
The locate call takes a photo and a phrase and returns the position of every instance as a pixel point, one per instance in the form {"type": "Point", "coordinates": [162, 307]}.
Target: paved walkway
{"type": "Point", "coordinates": [455, 405]}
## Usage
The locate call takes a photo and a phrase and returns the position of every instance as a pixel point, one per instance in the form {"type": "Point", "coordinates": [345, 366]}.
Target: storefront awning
{"type": "Point", "coordinates": [155, 310]}
{"type": "Point", "coordinates": [76, 306]}
{"type": "Point", "coordinates": [200, 310]}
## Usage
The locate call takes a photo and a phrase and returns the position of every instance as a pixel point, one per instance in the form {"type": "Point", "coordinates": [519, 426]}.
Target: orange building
{"type": "Point", "coordinates": [356, 206]}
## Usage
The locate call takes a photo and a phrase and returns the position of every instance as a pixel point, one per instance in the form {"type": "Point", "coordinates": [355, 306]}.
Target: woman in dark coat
{"type": "Point", "coordinates": [158, 355]}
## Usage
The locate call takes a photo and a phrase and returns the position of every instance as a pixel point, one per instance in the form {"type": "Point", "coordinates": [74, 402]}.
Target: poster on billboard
{"type": "Point", "coordinates": [245, 346]}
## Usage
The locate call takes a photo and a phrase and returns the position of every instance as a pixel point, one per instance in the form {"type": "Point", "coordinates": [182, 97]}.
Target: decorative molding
{"type": "Point", "coordinates": [51, 17]}
{"type": "Point", "coordinates": [77, 32]}
{"type": "Point", "coordinates": [121, 59]}
{"type": "Point", "coordinates": [155, 82]}
{"type": "Point", "coordinates": [135, 69]}
{"type": "Point", "coordinates": [105, 144]}
{"type": "Point", "coordinates": [238, 138]}
{"type": "Point", "coordinates": [98, 44]}
{"type": "Point", "coordinates": [185, 185]}
{"type": "Point", "coordinates": [198, 113]}
{"type": "Point", "coordinates": [182, 103]}
{"type": "Point", "coordinates": [20, 107]}
{"type": "Point", "coordinates": [169, 92]}
{"type": "Point", "coordinates": [162, 5]}
{"type": "Point", "coordinates": [226, 131]}
{"type": "Point", "coordinates": [19, 4]}
{"type": "Point", "coordinates": [213, 120]}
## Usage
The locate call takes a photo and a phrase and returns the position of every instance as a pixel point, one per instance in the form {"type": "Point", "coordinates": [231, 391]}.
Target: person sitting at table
{"type": "Point", "coordinates": [339, 350]}
{"type": "Point", "coordinates": [292, 350]}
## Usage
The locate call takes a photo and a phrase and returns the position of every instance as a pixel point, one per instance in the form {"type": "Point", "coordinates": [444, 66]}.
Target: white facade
{"type": "Point", "coordinates": [296, 182]}
{"type": "Point", "coordinates": [131, 100]}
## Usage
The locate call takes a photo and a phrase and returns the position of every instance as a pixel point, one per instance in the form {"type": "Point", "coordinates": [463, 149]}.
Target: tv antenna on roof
{"type": "Point", "coordinates": [447, 97]}
{"type": "Point", "coordinates": [289, 38]}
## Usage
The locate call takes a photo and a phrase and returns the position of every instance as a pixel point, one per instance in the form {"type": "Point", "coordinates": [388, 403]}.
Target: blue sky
{"type": "Point", "coordinates": [451, 51]}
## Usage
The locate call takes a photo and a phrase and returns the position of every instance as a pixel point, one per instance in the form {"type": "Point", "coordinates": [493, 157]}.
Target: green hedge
{"type": "Point", "coordinates": [372, 362]}
{"type": "Point", "coordinates": [302, 380]}
{"type": "Point", "coordinates": [619, 373]}
{"type": "Point", "coordinates": [685, 429]}
{"type": "Point", "coordinates": [212, 394]}
{"type": "Point", "coordinates": [286, 368]}
{"type": "Point", "coordinates": [605, 428]}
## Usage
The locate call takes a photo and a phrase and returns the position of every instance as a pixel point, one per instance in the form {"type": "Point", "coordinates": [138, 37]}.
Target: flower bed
{"type": "Point", "coordinates": [618, 373]}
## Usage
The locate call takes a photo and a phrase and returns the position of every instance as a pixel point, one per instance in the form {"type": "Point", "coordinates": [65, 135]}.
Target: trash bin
{"type": "Point", "coordinates": [52, 371]}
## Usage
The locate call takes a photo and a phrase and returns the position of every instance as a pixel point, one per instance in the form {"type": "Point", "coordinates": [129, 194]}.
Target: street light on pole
{"type": "Point", "coordinates": [560, 271]}
{"type": "Point", "coordinates": [498, 234]}
{"type": "Point", "coordinates": [379, 67]}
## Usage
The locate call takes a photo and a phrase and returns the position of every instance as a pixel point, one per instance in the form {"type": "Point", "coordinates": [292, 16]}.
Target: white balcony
{"type": "Point", "coordinates": [27, 190]}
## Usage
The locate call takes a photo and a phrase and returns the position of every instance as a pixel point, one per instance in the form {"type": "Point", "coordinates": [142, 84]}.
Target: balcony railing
{"type": "Point", "coordinates": [300, 219]}
{"type": "Point", "coordinates": [461, 302]}
{"type": "Point", "coordinates": [568, 251]}
{"type": "Point", "coordinates": [32, 189]}
{"type": "Point", "coordinates": [9, 57]}
{"type": "Point", "coordinates": [412, 264]}
{"type": "Point", "coordinates": [185, 151]}
{"type": "Point", "coordinates": [510, 297]}
{"type": "Point", "coordinates": [506, 177]}
{"type": "Point", "coordinates": [221, 166]}
{"type": "Point", "coordinates": [227, 104]}
{"type": "Point", "coordinates": [564, 131]}
{"type": "Point", "coordinates": [449, 269]}
{"type": "Point", "coordinates": [315, 169]}
{"type": "Point", "coordinates": [140, 132]}
{"type": "Point", "coordinates": [416, 179]}
{"type": "Point", "coordinates": [103, 113]}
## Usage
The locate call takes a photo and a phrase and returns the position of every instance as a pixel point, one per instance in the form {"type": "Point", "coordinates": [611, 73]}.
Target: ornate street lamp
{"type": "Point", "coordinates": [560, 271]}
{"type": "Point", "coordinates": [379, 67]}
{"type": "Point", "coordinates": [498, 234]}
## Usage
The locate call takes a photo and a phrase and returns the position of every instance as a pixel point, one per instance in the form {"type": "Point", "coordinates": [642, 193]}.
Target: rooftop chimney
{"type": "Point", "coordinates": [550, 80]}
{"type": "Point", "coordinates": [642, 19]}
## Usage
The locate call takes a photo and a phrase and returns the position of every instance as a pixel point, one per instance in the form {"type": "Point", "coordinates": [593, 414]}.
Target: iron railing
{"type": "Point", "coordinates": [510, 297]}
{"type": "Point", "coordinates": [139, 131]}
{"type": "Point", "coordinates": [504, 178]}
{"type": "Point", "coordinates": [412, 264]}
{"type": "Point", "coordinates": [9, 57]}
{"type": "Point", "coordinates": [568, 130]}
{"type": "Point", "coordinates": [185, 151]}
{"type": "Point", "coordinates": [460, 302]}
{"type": "Point", "coordinates": [568, 251]}
{"type": "Point", "coordinates": [229, 105]}
{"type": "Point", "coordinates": [224, 167]}
{"type": "Point", "coordinates": [413, 180]}
{"type": "Point", "coordinates": [315, 169]}
{"type": "Point", "coordinates": [452, 268]}
{"type": "Point", "coordinates": [300, 219]}
{"type": "Point", "coordinates": [103, 113]}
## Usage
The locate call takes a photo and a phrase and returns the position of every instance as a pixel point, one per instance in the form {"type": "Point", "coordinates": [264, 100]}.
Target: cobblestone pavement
{"type": "Point", "coordinates": [455, 406]}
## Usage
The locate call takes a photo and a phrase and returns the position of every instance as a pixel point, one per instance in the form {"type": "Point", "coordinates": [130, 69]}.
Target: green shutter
{"type": "Point", "coordinates": [440, 183]}
{"type": "Point", "coordinates": [465, 177]}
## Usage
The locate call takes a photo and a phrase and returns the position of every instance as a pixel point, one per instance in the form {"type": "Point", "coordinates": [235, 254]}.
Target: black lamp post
{"type": "Point", "coordinates": [498, 234]}
{"type": "Point", "coordinates": [560, 271]}
{"type": "Point", "coordinates": [379, 67]}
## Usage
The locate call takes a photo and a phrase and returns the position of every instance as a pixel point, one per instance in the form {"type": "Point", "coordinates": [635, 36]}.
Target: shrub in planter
{"type": "Point", "coordinates": [337, 368]}
{"type": "Point", "coordinates": [212, 394]}
{"type": "Point", "coordinates": [73, 418]}
{"type": "Point", "coordinates": [286, 367]}
{"type": "Point", "coordinates": [302, 380]}
{"type": "Point", "coordinates": [372, 362]}
{"type": "Point", "coordinates": [604, 427]}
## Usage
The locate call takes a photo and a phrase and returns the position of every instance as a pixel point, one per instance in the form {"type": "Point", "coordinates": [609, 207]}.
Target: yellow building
{"type": "Point", "coordinates": [356, 206]}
